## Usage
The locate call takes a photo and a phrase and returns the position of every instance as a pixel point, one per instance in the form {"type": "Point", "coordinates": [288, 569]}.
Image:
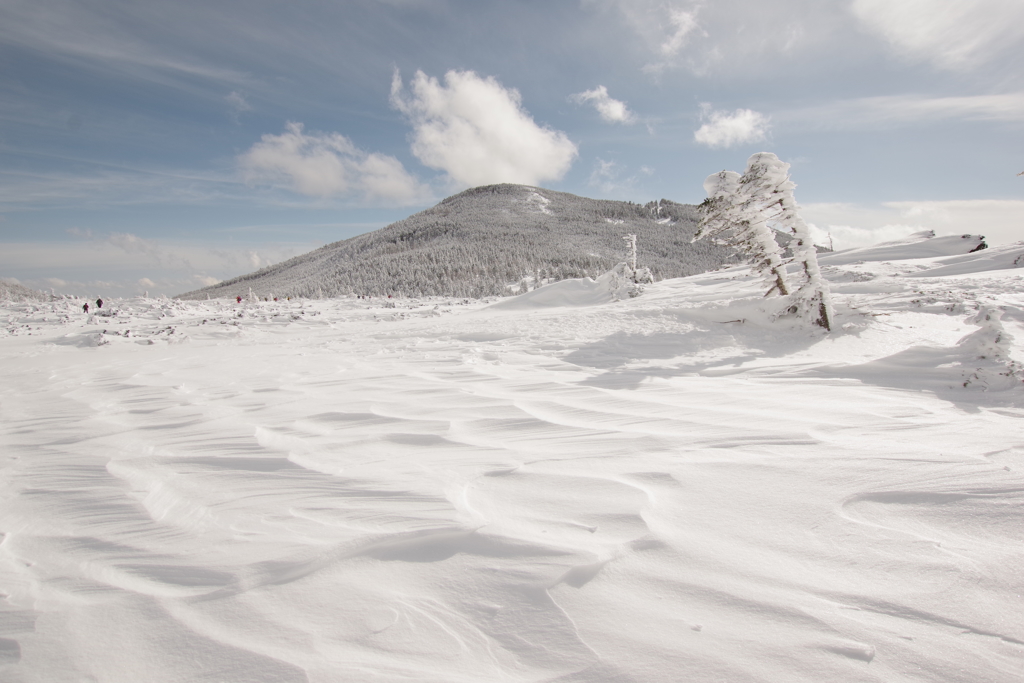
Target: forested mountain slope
{"type": "Point", "coordinates": [480, 241]}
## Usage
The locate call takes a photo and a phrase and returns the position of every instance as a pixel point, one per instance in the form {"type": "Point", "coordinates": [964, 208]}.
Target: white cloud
{"type": "Point", "coordinates": [146, 282]}
{"type": "Point", "coordinates": [610, 109]}
{"type": "Point", "coordinates": [477, 131]}
{"type": "Point", "coordinates": [952, 35]}
{"type": "Point", "coordinates": [856, 225]}
{"type": "Point", "coordinates": [895, 110]}
{"type": "Point", "coordinates": [327, 164]}
{"type": "Point", "coordinates": [726, 130]}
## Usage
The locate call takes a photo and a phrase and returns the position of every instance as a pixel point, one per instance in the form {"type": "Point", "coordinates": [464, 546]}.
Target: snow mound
{"type": "Point", "coordinates": [621, 282]}
{"type": "Point", "coordinates": [980, 361]}
{"type": "Point", "coordinates": [567, 293]}
{"type": "Point", "coordinates": [922, 244]}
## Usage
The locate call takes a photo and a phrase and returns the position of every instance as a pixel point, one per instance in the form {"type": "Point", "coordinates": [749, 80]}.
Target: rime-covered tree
{"type": "Point", "coordinates": [738, 211]}
{"type": "Point", "coordinates": [728, 216]}
{"type": "Point", "coordinates": [767, 188]}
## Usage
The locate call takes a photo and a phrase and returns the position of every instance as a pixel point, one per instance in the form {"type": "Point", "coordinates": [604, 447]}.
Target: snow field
{"type": "Point", "coordinates": [655, 489]}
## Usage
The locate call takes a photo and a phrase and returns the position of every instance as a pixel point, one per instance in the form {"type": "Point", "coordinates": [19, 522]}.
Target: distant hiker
{"type": "Point", "coordinates": [85, 307]}
{"type": "Point", "coordinates": [99, 303]}
{"type": "Point", "coordinates": [238, 299]}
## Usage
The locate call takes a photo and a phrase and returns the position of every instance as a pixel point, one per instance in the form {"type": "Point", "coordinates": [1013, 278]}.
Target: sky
{"type": "Point", "coordinates": [159, 147]}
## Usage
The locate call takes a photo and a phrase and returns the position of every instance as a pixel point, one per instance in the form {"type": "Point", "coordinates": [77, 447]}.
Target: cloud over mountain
{"type": "Point", "coordinates": [477, 131]}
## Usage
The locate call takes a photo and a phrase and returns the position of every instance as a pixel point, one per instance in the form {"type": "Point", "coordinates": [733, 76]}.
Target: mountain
{"type": "Point", "coordinates": [481, 241]}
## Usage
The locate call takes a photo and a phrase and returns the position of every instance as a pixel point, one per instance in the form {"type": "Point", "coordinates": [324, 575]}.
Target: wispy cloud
{"type": "Point", "coordinates": [609, 108]}
{"type": "Point", "coordinates": [113, 185]}
{"type": "Point", "coordinates": [898, 110]}
{"type": "Point", "coordinates": [610, 178]}
{"type": "Point", "coordinates": [109, 40]}
{"type": "Point", "coordinates": [238, 104]}
{"type": "Point", "coordinates": [477, 131]}
{"type": "Point", "coordinates": [728, 129]}
{"type": "Point", "coordinates": [328, 164]}
{"type": "Point", "coordinates": [680, 25]}
{"type": "Point", "coordinates": [951, 35]}
{"type": "Point", "coordinates": [724, 35]}
{"type": "Point", "coordinates": [665, 26]}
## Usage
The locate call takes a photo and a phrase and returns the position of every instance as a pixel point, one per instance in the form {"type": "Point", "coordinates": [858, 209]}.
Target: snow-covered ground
{"type": "Point", "coordinates": [556, 487]}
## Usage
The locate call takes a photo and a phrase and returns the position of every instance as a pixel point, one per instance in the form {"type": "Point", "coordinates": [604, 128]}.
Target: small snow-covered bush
{"type": "Point", "coordinates": [625, 282]}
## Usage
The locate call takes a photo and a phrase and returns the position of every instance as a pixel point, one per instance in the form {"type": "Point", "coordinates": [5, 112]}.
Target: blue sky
{"type": "Point", "coordinates": [163, 145]}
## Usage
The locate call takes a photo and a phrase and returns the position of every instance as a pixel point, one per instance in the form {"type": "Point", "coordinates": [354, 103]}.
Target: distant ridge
{"type": "Point", "coordinates": [10, 291]}
{"type": "Point", "coordinates": [479, 242]}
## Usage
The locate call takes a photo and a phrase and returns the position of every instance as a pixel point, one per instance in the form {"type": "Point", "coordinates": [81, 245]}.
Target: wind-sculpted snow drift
{"type": "Point", "coordinates": [481, 241]}
{"type": "Point", "coordinates": [552, 487]}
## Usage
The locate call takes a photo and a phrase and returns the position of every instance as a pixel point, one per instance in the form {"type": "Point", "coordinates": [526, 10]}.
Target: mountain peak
{"type": "Point", "coordinates": [482, 240]}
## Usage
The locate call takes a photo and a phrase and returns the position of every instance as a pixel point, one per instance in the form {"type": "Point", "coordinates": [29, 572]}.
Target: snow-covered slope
{"type": "Point", "coordinates": [573, 489]}
{"type": "Point", "coordinates": [480, 241]}
{"type": "Point", "coordinates": [920, 245]}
